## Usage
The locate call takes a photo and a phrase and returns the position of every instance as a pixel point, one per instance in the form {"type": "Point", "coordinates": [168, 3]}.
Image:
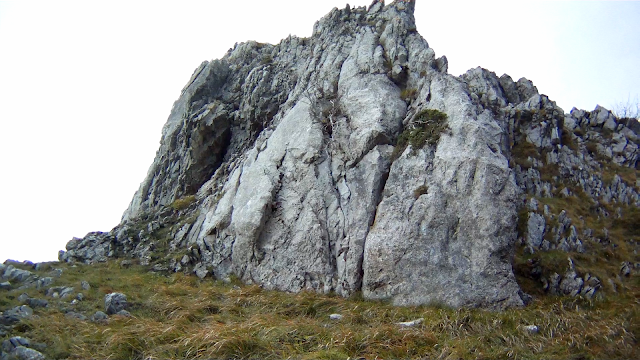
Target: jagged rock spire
{"type": "Point", "coordinates": [406, 5]}
{"type": "Point", "coordinates": [403, 5]}
{"type": "Point", "coordinates": [292, 156]}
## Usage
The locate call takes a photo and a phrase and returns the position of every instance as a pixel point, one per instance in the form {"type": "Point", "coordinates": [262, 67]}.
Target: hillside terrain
{"type": "Point", "coordinates": [343, 196]}
{"type": "Point", "coordinates": [180, 316]}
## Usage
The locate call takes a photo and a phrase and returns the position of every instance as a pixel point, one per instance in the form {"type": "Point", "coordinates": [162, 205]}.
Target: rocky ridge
{"type": "Point", "coordinates": [351, 161]}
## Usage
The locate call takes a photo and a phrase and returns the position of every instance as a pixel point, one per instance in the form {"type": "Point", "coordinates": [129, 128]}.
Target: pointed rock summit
{"type": "Point", "coordinates": [346, 162]}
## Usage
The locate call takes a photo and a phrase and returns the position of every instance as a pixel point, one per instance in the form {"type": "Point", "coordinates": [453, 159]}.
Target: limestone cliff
{"type": "Point", "coordinates": [351, 161]}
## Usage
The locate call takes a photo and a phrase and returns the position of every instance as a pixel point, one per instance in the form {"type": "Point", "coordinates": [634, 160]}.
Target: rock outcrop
{"type": "Point", "coordinates": [351, 161]}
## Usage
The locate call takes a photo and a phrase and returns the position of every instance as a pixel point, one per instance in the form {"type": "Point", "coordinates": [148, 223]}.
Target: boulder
{"type": "Point", "coordinates": [44, 282]}
{"type": "Point", "coordinates": [299, 183]}
{"type": "Point", "coordinates": [75, 315]}
{"type": "Point", "coordinates": [12, 273]}
{"type": "Point", "coordinates": [56, 273]}
{"type": "Point", "coordinates": [99, 316]}
{"type": "Point", "coordinates": [25, 353]}
{"type": "Point", "coordinates": [13, 316]}
{"type": "Point", "coordinates": [115, 302]}
{"type": "Point", "coordinates": [36, 303]}
{"type": "Point", "coordinates": [85, 285]}
{"type": "Point", "coordinates": [123, 313]}
{"type": "Point", "coordinates": [11, 344]}
{"type": "Point", "coordinates": [60, 291]}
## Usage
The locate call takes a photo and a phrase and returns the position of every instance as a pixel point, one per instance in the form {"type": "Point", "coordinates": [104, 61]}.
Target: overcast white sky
{"type": "Point", "coordinates": [85, 86]}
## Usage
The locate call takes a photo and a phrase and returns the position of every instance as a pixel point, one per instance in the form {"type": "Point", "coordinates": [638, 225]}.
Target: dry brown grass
{"type": "Point", "coordinates": [182, 317]}
{"type": "Point", "coordinates": [522, 151]}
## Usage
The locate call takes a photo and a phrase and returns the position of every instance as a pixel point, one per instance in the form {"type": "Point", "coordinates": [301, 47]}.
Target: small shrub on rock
{"type": "Point", "coordinates": [427, 127]}
{"type": "Point", "coordinates": [183, 202]}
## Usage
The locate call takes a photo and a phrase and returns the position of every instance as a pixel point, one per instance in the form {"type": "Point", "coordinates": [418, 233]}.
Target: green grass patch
{"type": "Point", "coordinates": [408, 95]}
{"type": "Point", "coordinates": [428, 125]}
{"type": "Point", "coordinates": [522, 151]}
{"type": "Point", "coordinates": [183, 202]}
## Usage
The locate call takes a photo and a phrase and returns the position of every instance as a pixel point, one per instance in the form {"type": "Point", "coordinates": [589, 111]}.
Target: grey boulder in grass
{"type": "Point", "coordinates": [114, 303]}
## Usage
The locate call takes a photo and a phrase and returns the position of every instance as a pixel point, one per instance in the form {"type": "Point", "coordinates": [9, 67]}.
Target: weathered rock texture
{"type": "Point", "coordinates": [350, 161]}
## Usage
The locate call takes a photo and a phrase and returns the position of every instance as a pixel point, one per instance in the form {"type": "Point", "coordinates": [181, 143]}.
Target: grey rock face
{"type": "Point", "coordinates": [115, 302]}
{"type": "Point", "coordinates": [289, 150]}
{"type": "Point", "coordinates": [287, 163]}
{"type": "Point", "coordinates": [535, 230]}
{"type": "Point", "coordinates": [92, 247]}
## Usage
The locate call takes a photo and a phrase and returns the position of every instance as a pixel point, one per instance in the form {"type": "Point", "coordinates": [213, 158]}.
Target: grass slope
{"type": "Point", "coordinates": [182, 317]}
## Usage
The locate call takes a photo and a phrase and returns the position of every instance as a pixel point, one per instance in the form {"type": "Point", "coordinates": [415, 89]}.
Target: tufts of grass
{"type": "Point", "coordinates": [629, 224]}
{"type": "Point", "coordinates": [421, 190]}
{"type": "Point", "coordinates": [523, 219]}
{"type": "Point", "coordinates": [408, 95]}
{"type": "Point", "coordinates": [266, 60]}
{"type": "Point", "coordinates": [428, 126]}
{"type": "Point", "coordinates": [183, 202]}
{"type": "Point", "coordinates": [567, 140]}
{"type": "Point", "coordinates": [181, 316]}
{"type": "Point", "coordinates": [602, 258]}
{"type": "Point", "coordinates": [592, 149]}
{"type": "Point", "coordinates": [522, 151]}
{"type": "Point", "coordinates": [548, 172]}
{"type": "Point", "coordinates": [628, 175]}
